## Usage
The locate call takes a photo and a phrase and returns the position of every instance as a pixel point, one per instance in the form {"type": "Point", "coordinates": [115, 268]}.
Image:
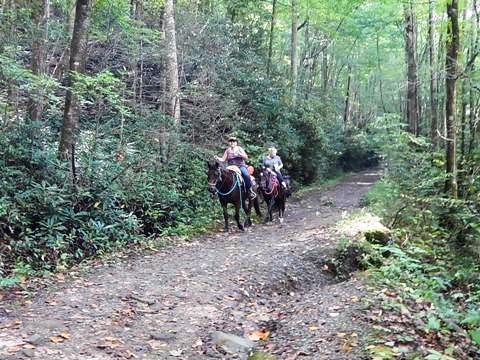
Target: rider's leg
{"type": "Point", "coordinates": [280, 179]}
{"type": "Point", "coordinates": [248, 181]}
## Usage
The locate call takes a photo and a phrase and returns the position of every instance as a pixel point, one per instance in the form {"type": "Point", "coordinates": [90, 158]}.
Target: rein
{"type": "Point", "coordinates": [274, 187]}
{"type": "Point", "coordinates": [235, 184]}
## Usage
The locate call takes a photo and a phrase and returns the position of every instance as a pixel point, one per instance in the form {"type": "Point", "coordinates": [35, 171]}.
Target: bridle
{"type": "Point", "coordinates": [219, 178]}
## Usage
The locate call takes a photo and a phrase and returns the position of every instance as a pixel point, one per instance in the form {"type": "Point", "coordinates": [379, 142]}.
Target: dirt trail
{"type": "Point", "coordinates": [168, 305]}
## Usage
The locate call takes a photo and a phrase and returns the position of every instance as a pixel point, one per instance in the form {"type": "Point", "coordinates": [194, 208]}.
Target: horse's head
{"type": "Point", "coordinates": [266, 183]}
{"type": "Point", "coordinates": [214, 174]}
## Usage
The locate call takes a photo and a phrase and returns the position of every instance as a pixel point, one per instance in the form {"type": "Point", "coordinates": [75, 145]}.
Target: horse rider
{"type": "Point", "coordinates": [235, 155]}
{"type": "Point", "coordinates": [274, 163]}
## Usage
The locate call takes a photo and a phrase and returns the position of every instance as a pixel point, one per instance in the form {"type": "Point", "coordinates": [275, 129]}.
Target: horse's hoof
{"type": "Point", "coordinates": [225, 230]}
{"type": "Point", "coordinates": [281, 220]}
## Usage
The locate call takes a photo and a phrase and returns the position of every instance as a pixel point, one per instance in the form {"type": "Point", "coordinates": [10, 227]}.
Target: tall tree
{"type": "Point", "coordinates": [272, 32]}
{"type": "Point", "coordinates": [41, 12]}
{"type": "Point", "coordinates": [452, 45]}
{"type": "Point", "coordinates": [293, 49]}
{"type": "Point", "coordinates": [172, 84]}
{"type": "Point", "coordinates": [77, 55]}
{"type": "Point", "coordinates": [433, 77]}
{"type": "Point", "coordinates": [411, 60]}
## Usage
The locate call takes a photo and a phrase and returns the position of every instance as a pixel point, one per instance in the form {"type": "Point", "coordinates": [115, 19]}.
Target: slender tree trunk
{"type": "Point", "coordinates": [347, 98]}
{"type": "Point", "coordinates": [270, 40]}
{"type": "Point", "coordinates": [452, 46]}
{"type": "Point", "coordinates": [173, 88]}
{"type": "Point", "coordinates": [379, 68]}
{"type": "Point", "coordinates": [324, 71]}
{"type": "Point", "coordinates": [77, 54]}
{"type": "Point", "coordinates": [39, 54]}
{"type": "Point", "coordinates": [433, 79]}
{"type": "Point", "coordinates": [412, 87]}
{"type": "Point", "coordinates": [294, 52]}
{"type": "Point", "coordinates": [471, 121]}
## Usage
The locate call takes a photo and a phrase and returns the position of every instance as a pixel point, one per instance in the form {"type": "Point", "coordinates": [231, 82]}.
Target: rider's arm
{"type": "Point", "coordinates": [279, 164]}
{"type": "Point", "coordinates": [242, 153]}
{"type": "Point", "coordinates": [224, 157]}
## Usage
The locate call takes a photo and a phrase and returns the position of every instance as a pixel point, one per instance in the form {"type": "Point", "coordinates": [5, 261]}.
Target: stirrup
{"type": "Point", "coordinates": [252, 194]}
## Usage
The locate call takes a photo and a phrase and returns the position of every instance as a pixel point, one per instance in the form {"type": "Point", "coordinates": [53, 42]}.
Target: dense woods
{"type": "Point", "coordinates": [110, 108]}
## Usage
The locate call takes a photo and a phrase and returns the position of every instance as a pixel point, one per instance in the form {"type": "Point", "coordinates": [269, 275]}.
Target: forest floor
{"type": "Point", "coordinates": [267, 284]}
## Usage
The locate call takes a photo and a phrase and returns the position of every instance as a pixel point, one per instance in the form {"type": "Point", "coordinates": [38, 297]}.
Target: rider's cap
{"type": "Point", "coordinates": [232, 138]}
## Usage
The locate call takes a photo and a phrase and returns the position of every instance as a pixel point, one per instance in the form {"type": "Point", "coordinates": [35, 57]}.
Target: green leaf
{"type": "Point", "coordinates": [475, 334]}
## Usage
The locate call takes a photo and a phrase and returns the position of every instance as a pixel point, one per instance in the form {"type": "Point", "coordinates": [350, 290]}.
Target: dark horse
{"type": "Point", "coordinates": [273, 193]}
{"type": "Point", "coordinates": [230, 189]}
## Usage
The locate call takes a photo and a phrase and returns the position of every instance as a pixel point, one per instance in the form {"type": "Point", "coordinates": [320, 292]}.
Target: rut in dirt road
{"type": "Point", "coordinates": [266, 281]}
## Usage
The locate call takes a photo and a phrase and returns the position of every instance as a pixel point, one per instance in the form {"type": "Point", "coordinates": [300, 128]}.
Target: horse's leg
{"type": "Point", "coordinates": [281, 209]}
{"type": "Point", "coordinates": [225, 217]}
{"type": "Point", "coordinates": [270, 204]}
{"type": "Point", "coordinates": [248, 209]}
{"type": "Point", "coordinates": [237, 216]}
{"type": "Point", "coordinates": [256, 205]}
{"type": "Point", "coordinates": [267, 214]}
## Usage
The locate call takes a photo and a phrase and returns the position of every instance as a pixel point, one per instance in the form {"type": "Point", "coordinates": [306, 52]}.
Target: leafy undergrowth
{"type": "Point", "coordinates": [424, 306]}
{"type": "Point", "coordinates": [426, 292]}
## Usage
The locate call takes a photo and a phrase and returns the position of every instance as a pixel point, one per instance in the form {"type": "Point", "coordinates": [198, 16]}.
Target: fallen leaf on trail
{"type": "Point", "coordinates": [313, 328]}
{"type": "Point", "coordinates": [197, 343]}
{"type": "Point", "coordinates": [29, 346]}
{"type": "Point", "coordinates": [14, 349]}
{"type": "Point", "coordinates": [131, 355]}
{"type": "Point", "coordinates": [259, 335]}
{"type": "Point", "coordinates": [11, 324]}
{"type": "Point", "coordinates": [176, 353]}
{"type": "Point", "coordinates": [156, 345]}
{"type": "Point", "coordinates": [341, 335]}
{"type": "Point", "coordinates": [65, 335]}
{"type": "Point", "coordinates": [109, 342]}
{"type": "Point", "coordinates": [51, 352]}
{"type": "Point", "coordinates": [334, 314]}
{"type": "Point", "coordinates": [56, 339]}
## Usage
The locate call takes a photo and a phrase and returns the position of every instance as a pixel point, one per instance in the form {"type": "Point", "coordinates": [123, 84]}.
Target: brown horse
{"type": "Point", "coordinates": [230, 189]}
{"type": "Point", "coordinates": [273, 193]}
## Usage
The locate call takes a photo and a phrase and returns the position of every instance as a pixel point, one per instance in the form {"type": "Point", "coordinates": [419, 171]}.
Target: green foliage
{"type": "Point", "coordinates": [434, 257]}
{"type": "Point", "coordinates": [48, 223]}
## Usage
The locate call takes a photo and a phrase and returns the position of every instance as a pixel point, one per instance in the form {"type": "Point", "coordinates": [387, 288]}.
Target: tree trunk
{"type": "Point", "coordinates": [433, 79]}
{"type": "Point", "coordinates": [41, 13]}
{"type": "Point", "coordinates": [173, 96]}
{"type": "Point", "coordinates": [452, 46]}
{"type": "Point", "coordinates": [410, 52]}
{"type": "Point", "coordinates": [294, 53]}
{"type": "Point", "coordinates": [347, 98]}
{"type": "Point", "coordinates": [324, 70]}
{"type": "Point", "coordinates": [270, 40]}
{"type": "Point", "coordinates": [379, 68]}
{"type": "Point", "coordinates": [77, 53]}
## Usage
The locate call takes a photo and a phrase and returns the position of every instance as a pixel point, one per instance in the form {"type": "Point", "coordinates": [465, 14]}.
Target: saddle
{"type": "Point", "coordinates": [236, 170]}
